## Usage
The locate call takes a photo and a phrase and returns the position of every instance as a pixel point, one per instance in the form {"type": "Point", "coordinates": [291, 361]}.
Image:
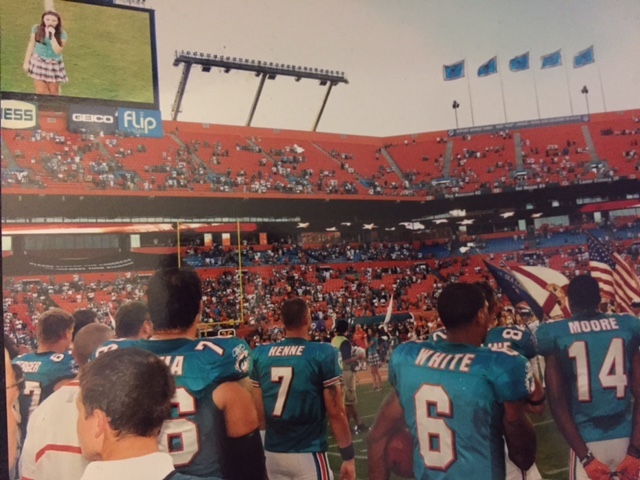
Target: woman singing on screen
{"type": "Point", "coordinates": [43, 60]}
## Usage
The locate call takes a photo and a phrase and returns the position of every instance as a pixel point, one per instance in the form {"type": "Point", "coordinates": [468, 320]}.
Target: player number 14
{"type": "Point", "coordinates": [611, 375]}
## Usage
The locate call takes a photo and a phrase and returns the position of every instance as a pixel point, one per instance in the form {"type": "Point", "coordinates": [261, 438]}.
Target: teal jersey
{"type": "Point", "coordinates": [292, 375]}
{"type": "Point", "coordinates": [42, 371]}
{"type": "Point", "coordinates": [373, 349]}
{"type": "Point", "coordinates": [45, 50]}
{"type": "Point", "coordinates": [194, 436]}
{"type": "Point", "coordinates": [438, 336]}
{"type": "Point", "coordinates": [515, 337]}
{"type": "Point", "coordinates": [452, 396]}
{"type": "Point", "coordinates": [594, 354]}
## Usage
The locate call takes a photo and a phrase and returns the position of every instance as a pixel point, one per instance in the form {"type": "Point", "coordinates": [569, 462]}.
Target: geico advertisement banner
{"type": "Point", "coordinates": [19, 115]}
{"type": "Point", "coordinates": [92, 119]}
{"type": "Point", "coordinates": [140, 123]}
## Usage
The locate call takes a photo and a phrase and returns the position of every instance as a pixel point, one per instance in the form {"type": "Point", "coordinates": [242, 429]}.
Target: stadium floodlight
{"type": "Point", "coordinates": [585, 91]}
{"type": "Point", "coordinates": [263, 69]}
{"type": "Point", "coordinates": [455, 107]}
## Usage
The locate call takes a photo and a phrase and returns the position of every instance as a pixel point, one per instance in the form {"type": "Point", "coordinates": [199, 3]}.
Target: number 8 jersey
{"type": "Point", "coordinates": [452, 396]}
{"type": "Point", "coordinates": [595, 355]}
{"type": "Point", "coordinates": [194, 434]}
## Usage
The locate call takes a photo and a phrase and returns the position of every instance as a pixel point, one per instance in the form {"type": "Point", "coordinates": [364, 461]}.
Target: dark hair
{"type": "Point", "coordinates": [41, 34]}
{"type": "Point", "coordinates": [132, 387]}
{"type": "Point", "coordinates": [489, 294]}
{"type": "Point", "coordinates": [129, 319]}
{"type": "Point", "coordinates": [83, 317]}
{"type": "Point", "coordinates": [89, 338]}
{"type": "Point", "coordinates": [459, 303]}
{"type": "Point", "coordinates": [294, 313]}
{"type": "Point", "coordinates": [53, 325]}
{"type": "Point", "coordinates": [584, 293]}
{"type": "Point", "coordinates": [173, 299]}
{"type": "Point", "coordinates": [342, 326]}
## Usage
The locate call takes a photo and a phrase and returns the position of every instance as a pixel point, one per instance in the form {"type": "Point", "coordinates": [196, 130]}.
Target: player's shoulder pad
{"type": "Point", "coordinates": [112, 345]}
{"type": "Point", "coordinates": [231, 350]}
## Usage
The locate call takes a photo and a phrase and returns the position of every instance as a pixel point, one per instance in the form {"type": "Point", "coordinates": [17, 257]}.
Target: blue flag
{"type": "Point", "coordinates": [519, 63]}
{"type": "Point", "coordinates": [513, 289]}
{"type": "Point", "coordinates": [552, 59]}
{"type": "Point", "coordinates": [585, 57]}
{"type": "Point", "coordinates": [453, 71]}
{"type": "Point", "coordinates": [488, 68]}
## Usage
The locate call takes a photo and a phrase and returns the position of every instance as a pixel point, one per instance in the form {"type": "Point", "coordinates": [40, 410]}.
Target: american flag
{"type": "Point", "coordinates": [618, 281]}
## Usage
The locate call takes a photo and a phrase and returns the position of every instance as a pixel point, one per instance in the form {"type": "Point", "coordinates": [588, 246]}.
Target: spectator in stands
{"type": "Point", "coordinates": [133, 321]}
{"type": "Point", "coordinates": [83, 317]}
{"type": "Point", "coordinates": [125, 396]}
{"type": "Point", "coordinates": [43, 60]}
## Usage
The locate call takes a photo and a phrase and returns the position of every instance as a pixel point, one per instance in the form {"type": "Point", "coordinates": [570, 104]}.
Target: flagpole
{"type": "Point", "coordinates": [473, 123]}
{"type": "Point", "coordinates": [604, 103]}
{"type": "Point", "coordinates": [535, 89]}
{"type": "Point", "coordinates": [504, 104]}
{"type": "Point", "coordinates": [566, 73]}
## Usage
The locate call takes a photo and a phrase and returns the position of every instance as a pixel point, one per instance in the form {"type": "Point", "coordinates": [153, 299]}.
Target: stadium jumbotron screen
{"type": "Point", "coordinates": [109, 53]}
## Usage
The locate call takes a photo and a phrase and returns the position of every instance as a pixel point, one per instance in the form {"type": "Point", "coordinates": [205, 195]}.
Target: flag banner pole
{"type": "Point", "coordinates": [504, 104]}
{"type": "Point", "coordinates": [240, 276]}
{"type": "Point", "coordinates": [535, 89]}
{"type": "Point", "coordinates": [473, 122]}
{"type": "Point", "coordinates": [604, 103]}
{"type": "Point", "coordinates": [566, 73]}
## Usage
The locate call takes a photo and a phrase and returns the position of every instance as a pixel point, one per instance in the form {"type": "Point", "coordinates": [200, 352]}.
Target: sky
{"type": "Point", "coordinates": [392, 53]}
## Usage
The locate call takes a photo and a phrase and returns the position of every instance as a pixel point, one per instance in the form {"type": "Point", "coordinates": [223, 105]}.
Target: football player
{"type": "Point", "coordinates": [214, 427]}
{"type": "Point", "coordinates": [296, 388]}
{"type": "Point", "coordinates": [52, 365]}
{"type": "Point", "coordinates": [458, 398]}
{"type": "Point", "coordinates": [592, 372]}
{"type": "Point", "coordinates": [51, 450]}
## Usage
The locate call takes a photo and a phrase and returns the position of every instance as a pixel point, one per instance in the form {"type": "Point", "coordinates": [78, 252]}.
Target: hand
{"type": "Point", "coordinates": [25, 66]}
{"type": "Point", "coordinates": [348, 470]}
{"type": "Point", "coordinates": [630, 466]}
{"type": "Point", "coordinates": [596, 470]}
{"type": "Point", "coordinates": [50, 31]}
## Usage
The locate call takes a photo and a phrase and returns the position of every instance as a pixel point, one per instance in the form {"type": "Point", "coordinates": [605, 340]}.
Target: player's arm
{"type": "Point", "coordinates": [242, 446]}
{"type": "Point", "coordinates": [257, 401]}
{"type": "Point", "coordinates": [340, 427]}
{"type": "Point", "coordinates": [631, 464]}
{"type": "Point", "coordinates": [27, 55]}
{"type": "Point", "coordinates": [535, 403]}
{"type": "Point", "coordinates": [561, 412]}
{"type": "Point", "coordinates": [388, 420]}
{"type": "Point", "coordinates": [519, 434]}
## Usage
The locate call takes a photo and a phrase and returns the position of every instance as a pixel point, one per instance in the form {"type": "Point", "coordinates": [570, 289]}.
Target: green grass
{"type": "Point", "coordinates": [552, 458]}
{"type": "Point", "coordinates": [108, 54]}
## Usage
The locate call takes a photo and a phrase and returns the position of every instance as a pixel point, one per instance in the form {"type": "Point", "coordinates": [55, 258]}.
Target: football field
{"type": "Point", "coordinates": [552, 458]}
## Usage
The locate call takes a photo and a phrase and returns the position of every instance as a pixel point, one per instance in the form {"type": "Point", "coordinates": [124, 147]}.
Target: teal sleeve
{"type": "Point", "coordinates": [236, 361]}
{"type": "Point", "coordinates": [544, 340]}
{"type": "Point", "coordinates": [63, 35]}
{"type": "Point", "coordinates": [254, 374]}
{"type": "Point", "coordinates": [329, 364]}
{"type": "Point", "coordinates": [513, 379]}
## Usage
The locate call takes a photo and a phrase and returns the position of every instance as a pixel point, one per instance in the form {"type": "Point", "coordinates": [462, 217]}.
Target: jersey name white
{"type": "Point", "coordinates": [445, 361]}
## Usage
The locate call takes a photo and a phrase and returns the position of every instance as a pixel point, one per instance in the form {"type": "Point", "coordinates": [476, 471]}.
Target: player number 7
{"type": "Point", "coordinates": [283, 376]}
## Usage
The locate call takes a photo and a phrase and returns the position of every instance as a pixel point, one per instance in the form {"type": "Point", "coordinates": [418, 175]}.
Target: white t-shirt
{"type": "Point", "coordinates": [154, 466]}
{"type": "Point", "coordinates": [51, 450]}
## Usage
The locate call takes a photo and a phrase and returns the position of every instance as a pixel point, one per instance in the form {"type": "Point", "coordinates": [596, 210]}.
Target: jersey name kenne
{"type": "Point", "coordinates": [288, 351]}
